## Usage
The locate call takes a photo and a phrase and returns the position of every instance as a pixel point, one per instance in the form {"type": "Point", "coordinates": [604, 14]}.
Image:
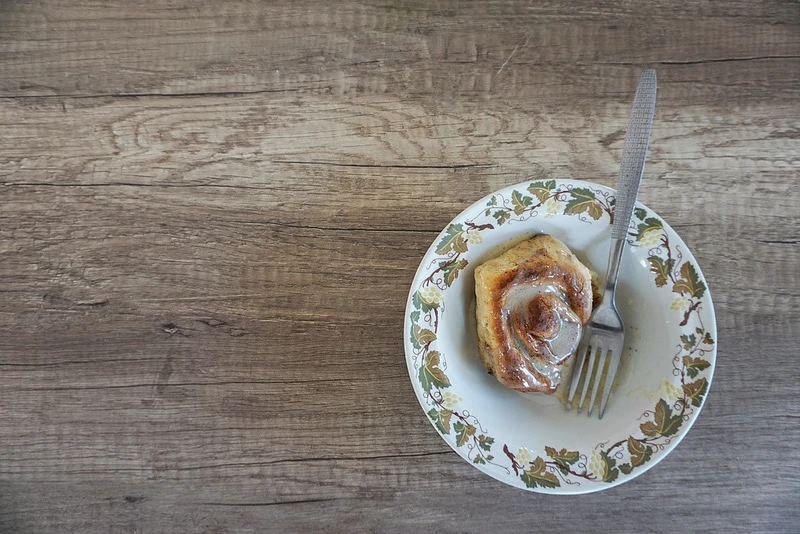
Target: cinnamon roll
{"type": "Point", "coordinates": [531, 304]}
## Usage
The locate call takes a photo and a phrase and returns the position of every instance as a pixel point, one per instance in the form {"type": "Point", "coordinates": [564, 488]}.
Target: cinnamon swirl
{"type": "Point", "coordinates": [531, 304]}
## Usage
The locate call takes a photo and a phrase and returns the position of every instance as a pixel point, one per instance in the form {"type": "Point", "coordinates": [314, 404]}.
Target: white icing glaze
{"type": "Point", "coordinates": [556, 347]}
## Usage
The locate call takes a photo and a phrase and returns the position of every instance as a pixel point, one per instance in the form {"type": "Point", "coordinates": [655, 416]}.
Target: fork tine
{"type": "Point", "coordinates": [588, 377]}
{"type": "Point", "coordinates": [577, 371]}
{"type": "Point", "coordinates": [612, 373]}
{"type": "Point", "coordinates": [598, 376]}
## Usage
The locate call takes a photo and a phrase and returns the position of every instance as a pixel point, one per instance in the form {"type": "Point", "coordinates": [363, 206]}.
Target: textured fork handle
{"type": "Point", "coordinates": [634, 152]}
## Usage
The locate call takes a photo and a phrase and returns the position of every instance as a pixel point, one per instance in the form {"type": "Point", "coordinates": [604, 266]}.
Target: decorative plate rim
{"type": "Point", "coordinates": [561, 471]}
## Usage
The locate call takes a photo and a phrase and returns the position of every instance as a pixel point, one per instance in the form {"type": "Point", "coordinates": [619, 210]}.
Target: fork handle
{"type": "Point", "coordinates": [614, 260]}
{"type": "Point", "coordinates": [634, 153]}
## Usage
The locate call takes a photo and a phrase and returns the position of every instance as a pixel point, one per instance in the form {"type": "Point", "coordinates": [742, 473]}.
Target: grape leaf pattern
{"type": "Point", "coordinates": [555, 467]}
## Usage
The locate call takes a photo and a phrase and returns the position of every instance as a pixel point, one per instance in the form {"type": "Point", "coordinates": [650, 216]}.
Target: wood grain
{"type": "Point", "coordinates": [211, 214]}
{"type": "Point", "coordinates": [404, 48]}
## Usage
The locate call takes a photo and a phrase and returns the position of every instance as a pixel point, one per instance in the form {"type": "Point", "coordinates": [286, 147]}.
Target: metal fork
{"type": "Point", "coordinates": [604, 335]}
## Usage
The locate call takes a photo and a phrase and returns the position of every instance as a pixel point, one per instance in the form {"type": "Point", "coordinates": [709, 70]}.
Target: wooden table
{"type": "Point", "coordinates": [212, 212]}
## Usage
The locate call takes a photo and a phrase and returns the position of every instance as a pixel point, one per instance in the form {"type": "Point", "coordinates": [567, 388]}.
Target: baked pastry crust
{"type": "Point", "coordinates": [531, 304]}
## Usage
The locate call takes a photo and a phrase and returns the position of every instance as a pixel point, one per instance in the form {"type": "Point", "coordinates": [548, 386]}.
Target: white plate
{"type": "Point", "coordinates": [530, 440]}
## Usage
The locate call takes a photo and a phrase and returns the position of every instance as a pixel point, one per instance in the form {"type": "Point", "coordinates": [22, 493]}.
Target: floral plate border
{"type": "Point", "coordinates": [558, 469]}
